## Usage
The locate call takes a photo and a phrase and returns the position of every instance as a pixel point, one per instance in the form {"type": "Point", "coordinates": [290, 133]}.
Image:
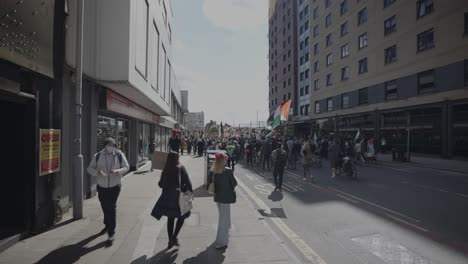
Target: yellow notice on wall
{"type": "Point", "coordinates": [49, 151]}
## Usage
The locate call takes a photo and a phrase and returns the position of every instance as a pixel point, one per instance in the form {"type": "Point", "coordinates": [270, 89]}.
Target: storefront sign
{"type": "Point", "coordinates": [27, 34]}
{"type": "Point", "coordinates": [49, 151]}
{"type": "Point", "coordinates": [119, 104]}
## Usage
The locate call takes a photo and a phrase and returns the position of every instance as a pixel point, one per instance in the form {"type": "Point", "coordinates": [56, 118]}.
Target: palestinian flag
{"type": "Point", "coordinates": [281, 114]}
{"type": "Point", "coordinates": [226, 126]}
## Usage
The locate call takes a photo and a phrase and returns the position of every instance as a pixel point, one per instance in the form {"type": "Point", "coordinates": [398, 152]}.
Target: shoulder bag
{"type": "Point", "coordinates": [185, 198]}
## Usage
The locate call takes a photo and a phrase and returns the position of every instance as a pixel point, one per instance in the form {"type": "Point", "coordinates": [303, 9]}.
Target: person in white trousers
{"type": "Point", "coordinates": [224, 184]}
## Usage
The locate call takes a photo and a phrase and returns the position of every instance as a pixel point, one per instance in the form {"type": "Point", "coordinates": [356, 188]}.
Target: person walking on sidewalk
{"type": "Point", "coordinates": [168, 203]}
{"type": "Point", "coordinates": [174, 143]}
{"type": "Point", "coordinates": [266, 152]}
{"type": "Point", "coordinates": [306, 153]}
{"type": "Point", "coordinates": [334, 154]}
{"type": "Point", "coordinates": [280, 158]}
{"type": "Point", "coordinates": [224, 195]}
{"type": "Point", "coordinates": [231, 151]}
{"type": "Point", "coordinates": [108, 166]}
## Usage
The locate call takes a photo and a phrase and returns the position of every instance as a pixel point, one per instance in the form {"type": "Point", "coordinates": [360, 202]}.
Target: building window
{"type": "Point", "coordinates": [306, 42]}
{"type": "Point", "coordinates": [316, 30]}
{"type": "Point", "coordinates": [390, 25]}
{"type": "Point", "coordinates": [329, 79]}
{"type": "Point", "coordinates": [301, 45]}
{"type": "Point", "coordinates": [301, 92]}
{"type": "Point", "coordinates": [466, 23]}
{"type": "Point", "coordinates": [344, 28]}
{"type": "Point", "coordinates": [388, 2]}
{"type": "Point", "coordinates": [329, 104]}
{"type": "Point", "coordinates": [306, 10]}
{"type": "Point", "coordinates": [317, 107]}
{"type": "Point", "coordinates": [424, 7]}
{"type": "Point", "coordinates": [329, 39]}
{"type": "Point", "coordinates": [307, 90]}
{"type": "Point", "coordinates": [302, 110]}
{"type": "Point", "coordinates": [363, 96]}
{"type": "Point", "coordinates": [289, 39]}
{"type": "Point", "coordinates": [363, 66]}
{"type": "Point", "coordinates": [345, 73]}
{"type": "Point", "coordinates": [284, 84]}
{"type": "Point", "coordinates": [344, 101]}
{"type": "Point", "coordinates": [316, 85]}
{"type": "Point", "coordinates": [289, 53]}
{"type": "Point", "coordinates": [301, 61]}
{"type": "Point", "coordinates": [316, 66]}
{"type": "Point", "coordinates": [301, 30]}
{"type": "Point", "coordinates": [391, 90]}
{"type": "Point", "coordinates": [289, 81]}
{"type": "Point", "coordinates": [316, 48]}
{"type": "Point", "coordinates": [306, 25]}
{"type": "Point", "coordinates": [276, 101]}
{"type": "Point", "coordinates": [306, 74]}
{"type": "Point", "coordinates": [289, 95]}
{"type": "Point", "coordinates": [390, 54]}
{"type": "Point", "coordinates": [306, 109]}
{"type": "Point", "coordinates": [426, 40]}
{"type": "Point", "coordinates": [328, 20]}
{"type": "Point", "coordinates": [329, 59]}
{"type": "Point", "coordinates": [289, 67]}
{"type": "Point", "coordinates": [316, 13]}
{"type": "Point", "coordinates": [344, 7]}
{"type": "Point", "coordinates": [284, 97]}
{"type": "Point", "coordinates": [301, 76]}
{"type": "Point", "coordinates": [284, 70]}
{"type": "Point", "coordinates": [327, 3]}
{"type": "Point", "coordinates": [362, 16]}
{"type": "Point", "coordinates": [363, 41]}
{"type": "Point", "coordinates": [426, 83]}
{"type": "Point", "coordinates": [345, 51]}
{"type": "Point", "coordinates": [306, 57]}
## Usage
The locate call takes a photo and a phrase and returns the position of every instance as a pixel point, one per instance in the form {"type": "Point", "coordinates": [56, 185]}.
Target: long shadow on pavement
{"type": "Point", "coordinates": [72, 253]}
{"type": "Point", "coordinates": [209, 255]}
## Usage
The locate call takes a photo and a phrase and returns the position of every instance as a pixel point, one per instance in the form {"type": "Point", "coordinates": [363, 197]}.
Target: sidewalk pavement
{"type": "Point", "coordinates": [142, 239]}
{"type": "Point", "coordinates": [429, 162]}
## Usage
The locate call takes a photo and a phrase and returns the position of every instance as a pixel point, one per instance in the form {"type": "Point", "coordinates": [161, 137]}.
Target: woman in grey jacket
{"type": "Point", "coordinates": [224, 195]}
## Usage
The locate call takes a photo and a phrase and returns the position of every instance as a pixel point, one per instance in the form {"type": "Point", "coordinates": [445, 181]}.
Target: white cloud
{"type": "Point", "coordinates": [236, 15]}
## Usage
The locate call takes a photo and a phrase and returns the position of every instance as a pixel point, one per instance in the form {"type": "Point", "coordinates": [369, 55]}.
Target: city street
{"type": "Point", "coordinates": [392, 214]}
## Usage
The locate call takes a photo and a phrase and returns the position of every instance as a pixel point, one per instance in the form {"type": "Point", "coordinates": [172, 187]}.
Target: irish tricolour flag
{"type": "Point", "coordinates": [281, 114]}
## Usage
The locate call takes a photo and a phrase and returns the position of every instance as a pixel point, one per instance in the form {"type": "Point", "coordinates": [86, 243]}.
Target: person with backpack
{"type": "Point", "coordinates": [280, 159]}
{"type": "Point", "coordinates": [108, 166]}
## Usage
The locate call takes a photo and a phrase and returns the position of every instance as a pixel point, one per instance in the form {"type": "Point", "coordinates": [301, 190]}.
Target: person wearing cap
{"type": "Point", "coordinates": [108, 166]}
{"type": "Point", "coordinates": [224, 195]}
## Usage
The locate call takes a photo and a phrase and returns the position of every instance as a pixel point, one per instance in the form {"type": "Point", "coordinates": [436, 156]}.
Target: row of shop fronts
{"type": "Point", "coordinates": [437, 129]}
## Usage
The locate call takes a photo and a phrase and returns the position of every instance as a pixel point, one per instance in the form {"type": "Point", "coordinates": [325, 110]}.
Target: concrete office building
{"type": "Point", "coordinates": [195, 121]}
{"type": "Point", "coordinates": [388, 65]}
{"type": "Point", "coordinates": [130, 90]}
{"type": "Point", "coordinates": [282, 54]}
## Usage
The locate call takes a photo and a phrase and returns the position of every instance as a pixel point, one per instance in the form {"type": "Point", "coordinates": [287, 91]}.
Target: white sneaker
{"type": "Point", "coordinates": [111, 238]}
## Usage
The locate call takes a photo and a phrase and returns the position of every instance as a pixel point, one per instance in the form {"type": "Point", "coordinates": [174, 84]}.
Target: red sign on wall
{"type": "Point", "coordinates": [119, 104]}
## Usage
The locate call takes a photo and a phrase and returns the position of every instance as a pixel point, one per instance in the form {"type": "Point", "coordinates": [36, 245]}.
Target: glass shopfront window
{"type": "Point", "coordinates": [143, 142]}
{"type": "Point", "coordinates": [113, 127]}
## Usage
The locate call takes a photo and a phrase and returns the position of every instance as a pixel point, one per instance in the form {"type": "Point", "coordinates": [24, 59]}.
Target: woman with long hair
{"type": "Point", "coordinates": [168, 203]}
{"type": "Point", "coordinates": [224, 195]}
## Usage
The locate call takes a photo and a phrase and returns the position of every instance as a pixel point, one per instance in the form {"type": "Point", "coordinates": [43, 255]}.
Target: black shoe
{"type": "Point", "coordinates": [175, 242]}
{"type": "Point", "coordinates": [103, 231]}
{"type": "Point", "coordinates": [170, 244]}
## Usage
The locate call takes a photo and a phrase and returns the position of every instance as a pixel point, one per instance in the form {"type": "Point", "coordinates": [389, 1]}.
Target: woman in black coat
{"type": "Point", "coordinates": [168, 203]}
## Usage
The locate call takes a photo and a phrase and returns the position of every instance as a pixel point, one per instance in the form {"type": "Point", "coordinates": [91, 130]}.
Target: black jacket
{"type": "Point", "coordinates": [224, 187]}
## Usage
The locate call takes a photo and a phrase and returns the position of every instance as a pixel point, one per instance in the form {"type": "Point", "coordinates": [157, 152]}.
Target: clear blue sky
{"type": "Point", "coordinates": [220, 54]}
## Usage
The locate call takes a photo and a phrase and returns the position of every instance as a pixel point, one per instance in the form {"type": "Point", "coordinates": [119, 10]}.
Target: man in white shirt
{"type": "Point", "coordinates": [108, 166]}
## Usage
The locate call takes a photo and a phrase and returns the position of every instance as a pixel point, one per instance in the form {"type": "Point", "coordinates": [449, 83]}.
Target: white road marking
{"type": "Point", "coordinates": [407, 223]}
{"type": "Point", "coordinates": [436, 189]}
{"type": "Point", "coordinates": [376, 205]}
{"type": "Point", "coordinates": [348, 199]}
{"type": "Point", "coordinates": [308, 252]}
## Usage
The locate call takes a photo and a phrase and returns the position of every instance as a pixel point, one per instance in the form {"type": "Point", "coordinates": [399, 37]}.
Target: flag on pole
{"type": "Point", "coordinates": [281, 114]}
{"type": "Point", "coordinates": [357, 135]}
{"type": "Point", "coordinates": [221, 130]}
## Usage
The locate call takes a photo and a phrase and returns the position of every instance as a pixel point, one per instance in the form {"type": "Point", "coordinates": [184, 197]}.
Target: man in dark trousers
{"type": "Point", "coordinates": [174, 143]}
{"type": "Point", "coordinates": [266, 152]}
{"type": "Point", "coordinates": [280, 159]}
{"type": "Point", "coordinates": [108, 166]}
